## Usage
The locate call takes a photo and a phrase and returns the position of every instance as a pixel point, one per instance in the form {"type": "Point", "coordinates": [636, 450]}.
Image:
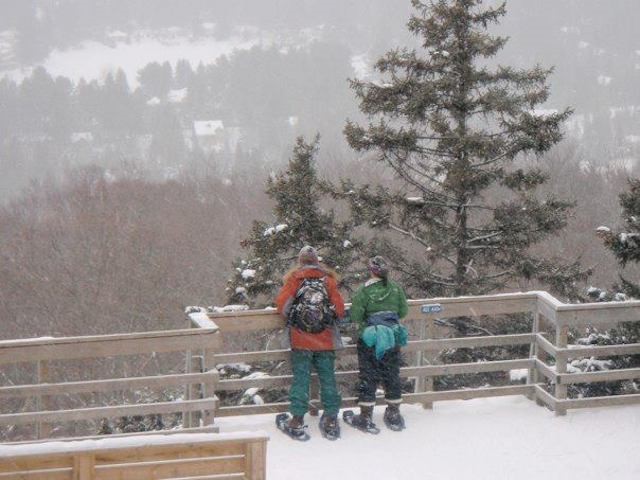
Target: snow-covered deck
{"type": "Point", "coordinates": [508, 438]}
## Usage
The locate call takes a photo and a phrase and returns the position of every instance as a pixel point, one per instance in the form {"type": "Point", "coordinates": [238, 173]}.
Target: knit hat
{"type": "Point", "coordinates": [308, 255]}
{"type": "Point", "coordinates": [378, 266]}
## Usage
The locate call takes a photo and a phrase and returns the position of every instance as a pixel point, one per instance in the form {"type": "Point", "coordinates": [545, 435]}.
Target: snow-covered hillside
{"type": "Point", "coordinates": [485, 439]}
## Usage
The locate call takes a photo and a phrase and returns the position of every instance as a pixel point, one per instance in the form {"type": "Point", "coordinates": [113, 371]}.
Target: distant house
{"type": "Point", "coordinates": [177, 96]}
{"type": "Point", "coordinates": [209, 135]}
{"type": "Point", "coordinates": [77, 137]}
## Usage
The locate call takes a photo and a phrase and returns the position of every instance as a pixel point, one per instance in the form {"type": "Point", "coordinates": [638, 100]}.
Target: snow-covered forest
{"type": "Point", "coordinates": [137, 143]}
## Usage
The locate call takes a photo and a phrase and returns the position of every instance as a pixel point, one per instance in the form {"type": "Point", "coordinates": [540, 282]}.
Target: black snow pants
{"type": "Point", "coordinates": [374, 372]}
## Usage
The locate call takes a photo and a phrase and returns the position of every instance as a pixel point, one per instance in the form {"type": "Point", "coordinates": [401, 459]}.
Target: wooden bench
{"type": "Point", "coordinates": [202, 456]}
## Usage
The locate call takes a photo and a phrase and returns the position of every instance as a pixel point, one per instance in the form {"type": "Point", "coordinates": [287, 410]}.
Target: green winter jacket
{"type": "Point", "coordinates": [373, 297]}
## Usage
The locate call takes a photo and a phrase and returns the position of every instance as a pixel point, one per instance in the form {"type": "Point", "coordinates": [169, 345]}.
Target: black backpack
{"type": "Point", "coordinates": [311, 310]}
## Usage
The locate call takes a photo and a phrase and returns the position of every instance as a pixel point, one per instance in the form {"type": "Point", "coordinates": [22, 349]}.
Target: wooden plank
{"type": "Point", "coordinates": [121, 435]}
{"type": "Point", "coordinates": [560, 390]}
{"type": "Point", "coordinates": [171, 468]}
{"type": "Point", "coordinates": [256, 461]}
{"type": "Point", "coordinates": [603, 313]}
{"type": "Point", "coordinates": [546, 370]}
{"type": "Point", "coordinates": [467, 394]}
{"type": "Point", "coordinates": [604, 376]}
{"type": "Point", "coordinates": [142, 454]}
{"type": "Point", "coordinates": [469, 342]}
{"type": "Point", "coordinates": [548, 399]}
{"type": "Point", "coordinates": [604, 351]}
{"type": "Point", "coordinates": [250, 320]}
{"type": "Point", "coordinates": [100, 412]}
{"type": "Point", "coordinates": [230, 476]}
{"type": "Point", "coordinates": [107, 385]}
{"type": "Point", "coordinates": [54, 474]}
{"type": "Point", "coordinates": [474, 306]}
{"type": "Point", "coordinates": [465, 368]}
{"type": "Point", "coordinates": [148, 444]}
{"type": "Point", "coordinates": [546, 345]}
{"type": "Point", "coordinates": [422, 384]}
{"type": "Point", "coordinates": [74, 348]}
{"type": "Point", "coordinates": [200, 320]}
{"type": "Point", "coordinates": [189, 389]}
{"type": "Point", "coordinates": [254, 409]}
{"type": "Point", "coordinates": [413, 346]}
{"type": "Point", "coordinates": [252, 357]}
{"type": "Point", "coordinates": [614, 400]}
{"type": "Point", "coordinates": [547, 306]}
{"type": "Point", "coordinates": [532, 375]}
{"type": "Point", "coordinates": [43, 430]}
{"type": "Point", "coordinates": [423, 371]}
{"type": "Point", "coordinates": [84, 467]}
{"type": "Point", "coordinates": [61, 463]}
{"type": "Point", "coordinates": [209, 386]}
{"type": "Point", "coordinates": [50, 341]}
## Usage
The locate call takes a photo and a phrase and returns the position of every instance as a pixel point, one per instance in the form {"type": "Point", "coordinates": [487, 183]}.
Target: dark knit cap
{"type": "Point", "coordinates": [378, 266]}
{"type": "Point", "coordinates": [308, 255]}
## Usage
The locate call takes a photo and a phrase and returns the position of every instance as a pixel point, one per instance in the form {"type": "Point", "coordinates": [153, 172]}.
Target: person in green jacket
{"type": "Point", "coordinates": [376, 309]}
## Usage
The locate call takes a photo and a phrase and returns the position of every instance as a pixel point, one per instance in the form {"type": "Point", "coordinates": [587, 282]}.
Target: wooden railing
{"type": "Point", "coordinates": [43, 351]}
{"type": "Point", "coordinates": [171, 456]}
{"type": "Point", "coordinates": [203, 346]}
{"type": "Point", "coordinates": [424, 352]}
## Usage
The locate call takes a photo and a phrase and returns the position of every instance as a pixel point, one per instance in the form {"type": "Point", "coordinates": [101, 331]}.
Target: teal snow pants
{"type": "Point", "coordinates": [324, 363]}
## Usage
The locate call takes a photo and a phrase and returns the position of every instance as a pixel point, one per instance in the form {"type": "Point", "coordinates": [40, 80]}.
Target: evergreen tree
{"type": "Point", "coordinates": [625, 245]}
{"type": "Point", "coordinates": [451, 127]}
{"type": "Point", "coordinates": [298, 220]}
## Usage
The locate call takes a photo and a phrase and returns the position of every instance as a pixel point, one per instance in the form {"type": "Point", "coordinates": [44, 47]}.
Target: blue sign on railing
{"type": "Point", "coordinates": [431, 308]}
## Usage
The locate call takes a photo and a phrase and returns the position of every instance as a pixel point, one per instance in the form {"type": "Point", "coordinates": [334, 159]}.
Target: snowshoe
{"type": "Point", "coordinates": [393, 419]}
{"type": "Point", "coordinates": [363, 424]}
{"type": "Point", "coordinates": [297, 433]}
{"type": "Point", "coordinates": [329, 427]}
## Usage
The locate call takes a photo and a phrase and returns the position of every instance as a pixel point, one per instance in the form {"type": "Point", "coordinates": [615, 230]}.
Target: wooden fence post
{"type": "Point", "coordinates": [84, 467]}
{"type": "Point", "coordinates": [256, 460]}
{"type": "Point", "coordinates": [426, 330]}
{"type": "Point", "coordinates": [43, 430]}
{"type": "Point", "coordinates": [187, 417]}
{"type": "Point", "coordinates": [533, 377]}
{"type": "Point", "coordinates": [208, 388]}
{"type": "Point", "coordinates": [560, 391]}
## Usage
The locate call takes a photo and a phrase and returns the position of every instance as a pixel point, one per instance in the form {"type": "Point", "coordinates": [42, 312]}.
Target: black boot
{"type": "Point", "coordinates": [329, 427]}
{"type": "Point", "coordinates": [296, 423]}
{"type": "Point", "coordinates": [392, 417]}
{"type": "Point", "coordinates": [292, 426]}
{"type": "Point", "coordinates": [363, 421]}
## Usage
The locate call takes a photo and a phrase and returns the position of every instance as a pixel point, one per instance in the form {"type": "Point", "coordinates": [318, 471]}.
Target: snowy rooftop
{"type": "Point", "coordinates": [205, 128]}
{"type": "Point", "coordinates": [494, 439]}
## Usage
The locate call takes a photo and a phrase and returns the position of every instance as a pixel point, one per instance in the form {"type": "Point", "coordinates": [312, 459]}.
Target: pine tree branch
{"type": "Point", "coordinates": [497, 275]}
{"type": "Point", "coordinates": [410, 234]}
{"type": "Point", "coordinates": [485, 237]}
{"type": "Point", "coordinates": [401, 162]}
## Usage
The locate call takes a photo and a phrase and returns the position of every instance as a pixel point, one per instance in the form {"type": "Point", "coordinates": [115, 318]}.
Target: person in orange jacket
{"type": "Point", "coordinates": [312, 346]}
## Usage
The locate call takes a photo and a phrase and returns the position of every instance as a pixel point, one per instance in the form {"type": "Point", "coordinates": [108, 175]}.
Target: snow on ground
{"type": "Point", "coordinates": [93, 60]}
{"type": "Point", "coordinates": [508, 438]}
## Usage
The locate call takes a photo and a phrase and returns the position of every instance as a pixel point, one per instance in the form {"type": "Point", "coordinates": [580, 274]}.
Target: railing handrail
{"type": "Point", "coordinates": [92, 346]}
{"type": "Point", "coordinates": [557, 312]}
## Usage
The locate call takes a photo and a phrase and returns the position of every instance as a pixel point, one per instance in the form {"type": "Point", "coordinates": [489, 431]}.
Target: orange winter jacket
{"type": "Point", "coordinates": [302, 340]}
